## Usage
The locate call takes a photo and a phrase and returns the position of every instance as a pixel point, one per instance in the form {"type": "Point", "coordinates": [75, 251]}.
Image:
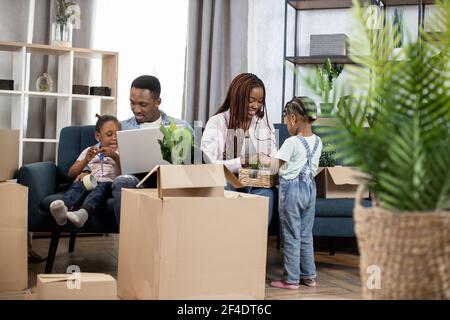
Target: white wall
{"type": "Point", "coordinates": [266, 40]}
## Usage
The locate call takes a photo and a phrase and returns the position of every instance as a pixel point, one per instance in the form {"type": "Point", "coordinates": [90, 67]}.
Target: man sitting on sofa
{"type": "Point", "coordinates": [144, 100]}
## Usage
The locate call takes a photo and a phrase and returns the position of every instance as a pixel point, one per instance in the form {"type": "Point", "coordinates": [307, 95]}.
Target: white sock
{"type": "Point", "coordinates": [59, 212]}
{"type": "Point", "coordinates": [78, 218]}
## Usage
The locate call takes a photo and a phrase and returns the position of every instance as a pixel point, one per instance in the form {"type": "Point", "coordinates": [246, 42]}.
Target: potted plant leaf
{"type": "Point", "coordinates": [325, 79]}
{"type": "Point", "coordinates": [404, 238]}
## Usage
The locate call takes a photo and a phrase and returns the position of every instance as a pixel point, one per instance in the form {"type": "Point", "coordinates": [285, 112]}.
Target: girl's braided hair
{"type": "Point", "coordinates": [302, 106]}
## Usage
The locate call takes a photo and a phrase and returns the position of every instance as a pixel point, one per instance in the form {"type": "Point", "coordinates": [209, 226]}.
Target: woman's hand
{"type": "Point", "coordinates": [265, 160]}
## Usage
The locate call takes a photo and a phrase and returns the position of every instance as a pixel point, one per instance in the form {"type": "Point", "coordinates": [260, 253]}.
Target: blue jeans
{"type": "Point", "coordinates": [78, 197]}
{"type": "Point", "coordinates": [123, 181]}
{"type": "Point", "coordinates": [271, 193]}
{"type": "Point", "coordinates": [297, 210]}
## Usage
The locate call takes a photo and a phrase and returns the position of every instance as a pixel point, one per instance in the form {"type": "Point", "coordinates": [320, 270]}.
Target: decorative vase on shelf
{"type": "Point", "coordinates": [62, 34]}
{"type": "Point", "coordinates": [44, 83]}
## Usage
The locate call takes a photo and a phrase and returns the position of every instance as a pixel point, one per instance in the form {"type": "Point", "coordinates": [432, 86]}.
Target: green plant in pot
{"type": "Point", "coordinates": [328, 156]}
{"type": "Point", "coordinates": [325, 79]}
{"type": "Point", "coordinates": [404, 238]}
{"type": "Point", "coordinates": [65, 13]}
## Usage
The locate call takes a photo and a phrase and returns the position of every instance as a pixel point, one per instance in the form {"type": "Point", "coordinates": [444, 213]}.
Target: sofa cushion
{"type": "Point", "coordinates": [337, 207]}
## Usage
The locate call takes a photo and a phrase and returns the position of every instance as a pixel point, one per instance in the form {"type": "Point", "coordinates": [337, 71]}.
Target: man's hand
{"type": "Point", "coordinates": [92, 152]}
{"type": "Point", "coordinates": [81, 176]}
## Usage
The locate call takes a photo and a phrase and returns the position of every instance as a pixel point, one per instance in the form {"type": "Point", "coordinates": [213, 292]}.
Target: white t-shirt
{"type": "Point", "coordinates": [109, 169]}
{"type": "Point", "coordinates": [148, 125]}
{"type": "Point", "coordinates": [293, 152]}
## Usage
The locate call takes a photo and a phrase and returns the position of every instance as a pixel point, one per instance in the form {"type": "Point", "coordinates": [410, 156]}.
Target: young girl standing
{"type": "Point", "coordinates": [298, 159]}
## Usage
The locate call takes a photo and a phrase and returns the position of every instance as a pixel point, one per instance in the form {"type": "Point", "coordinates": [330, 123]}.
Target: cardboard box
{"type": "Point", "coordinates": [338, 182]}
{"type": "Point", "coordinates": [76, 286]}
{"type": "Point", "coordinates": [13, 237]}
{"type": "Point", "coordinates": [18, 295]}
{"type": "Point", "coordinates": [188, 239]}
{"type": "Point", "coordinates": [9, 145]}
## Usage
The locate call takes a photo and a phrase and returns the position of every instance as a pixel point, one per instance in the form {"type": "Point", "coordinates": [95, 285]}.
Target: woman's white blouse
{"type": "Point", "coordinates": [262, 136]}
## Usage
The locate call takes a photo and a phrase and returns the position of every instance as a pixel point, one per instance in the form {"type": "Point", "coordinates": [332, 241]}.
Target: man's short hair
{"type": "Point", "coordinates": [148, 82]}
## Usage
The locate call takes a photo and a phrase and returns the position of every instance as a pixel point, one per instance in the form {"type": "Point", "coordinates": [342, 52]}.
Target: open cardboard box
{"type": "Point", "coordinates": [338, 182]}
{"type": "Point", "coordinates": [189, 239]}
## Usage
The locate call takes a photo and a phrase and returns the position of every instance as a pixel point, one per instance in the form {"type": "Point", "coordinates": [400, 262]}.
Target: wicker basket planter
{"type": "Point", "coordinates": [257, 178]}
{"type": "Point", "coordinates": [409, 253]}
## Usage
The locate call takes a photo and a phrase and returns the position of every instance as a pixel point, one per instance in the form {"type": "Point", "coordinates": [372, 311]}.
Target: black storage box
{"type": "Point", "coordinates": [6, 84]}
{"type": "Point", "coordinates": [79, 89]}
{"type": "Point", "coordinates": [100, 91]}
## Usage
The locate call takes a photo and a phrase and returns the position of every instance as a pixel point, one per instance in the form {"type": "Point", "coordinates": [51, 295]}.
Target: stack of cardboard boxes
{"type": "Point", "coordinates": [13, 221]}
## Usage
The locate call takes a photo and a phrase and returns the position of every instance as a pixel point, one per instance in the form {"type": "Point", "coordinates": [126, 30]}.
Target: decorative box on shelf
{"type": "Point", "coordinates": [6, 84]}
{"type": "Point", "coordinates": [100, 91]}
{"type": "Point", "coordinates": [328, 45]}
{"type": "Point", "coordinates": [261, 178]}
{"type": "Point", "coordinates": [80, 89]}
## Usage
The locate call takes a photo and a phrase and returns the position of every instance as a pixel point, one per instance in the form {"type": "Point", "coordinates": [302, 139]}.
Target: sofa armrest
{"type": "Point", "coordinates": [41, 180]}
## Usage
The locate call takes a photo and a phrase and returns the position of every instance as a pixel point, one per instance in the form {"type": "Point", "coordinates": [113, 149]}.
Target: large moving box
{"type": "Point", "coordinates": [188, 239]}
{"type": "Point", "coordinates": [9, 146]}
{"type": "Point", "coordinates": [13, 237]}
{"type": "Point", "coordinates": [338, 182]}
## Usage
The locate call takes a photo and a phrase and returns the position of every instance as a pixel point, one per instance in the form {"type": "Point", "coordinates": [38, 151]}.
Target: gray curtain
{"type": "Point", "coordinates": [216, 52]}
{"type": "Point", "coordinates": [42, 112]}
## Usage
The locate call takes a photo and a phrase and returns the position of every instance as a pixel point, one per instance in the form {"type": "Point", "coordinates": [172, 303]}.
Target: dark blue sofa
{"type": "Point", "coordinates": [47, 181]}
{"type": "Point", "coordinates": [334, 217]}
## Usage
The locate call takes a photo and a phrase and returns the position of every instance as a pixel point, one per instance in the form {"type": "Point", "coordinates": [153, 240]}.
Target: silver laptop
{"type": "Point", "coordinates": [139, 150]}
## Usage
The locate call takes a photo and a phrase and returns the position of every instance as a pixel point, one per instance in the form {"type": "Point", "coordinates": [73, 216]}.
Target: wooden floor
{"type": "Point", "coordinates": [337, 275]}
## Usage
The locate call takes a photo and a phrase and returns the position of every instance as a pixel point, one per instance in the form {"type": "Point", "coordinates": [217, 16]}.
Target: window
{"type": "Point", "coordinates": [150, 36]}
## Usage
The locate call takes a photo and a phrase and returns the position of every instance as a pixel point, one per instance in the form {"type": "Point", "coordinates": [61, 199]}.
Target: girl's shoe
{"type": "Point", "coordinates": [308, 282]}
{"type": "Point", "coordinates": [284, 285]}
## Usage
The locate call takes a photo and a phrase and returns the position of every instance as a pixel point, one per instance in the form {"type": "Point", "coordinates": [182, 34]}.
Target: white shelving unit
{"type": "Point", "coordinates": [23, 92]}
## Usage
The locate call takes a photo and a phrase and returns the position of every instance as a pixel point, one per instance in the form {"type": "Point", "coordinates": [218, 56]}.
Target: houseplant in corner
{"type": "Point", "coordinates": [404, 238]}
{"type": "Point", "coordinates": [62, 28]}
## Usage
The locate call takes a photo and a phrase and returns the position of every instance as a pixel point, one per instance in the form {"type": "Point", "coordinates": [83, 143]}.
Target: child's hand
{"type": "Point", "coordinates": [110, 152]}
{"type": "Point", "coordinates": [90, 154]}
{"type": "Point", "coordinates": [81, 176]}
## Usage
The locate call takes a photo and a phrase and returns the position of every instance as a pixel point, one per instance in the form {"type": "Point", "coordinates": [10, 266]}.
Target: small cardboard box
{"type": "Point", "coordinates": [13, 237]}
{"type": "Point", "coordinates": [338, 182]}
{"type": "Point", "coordinates": [189, 239]}
{"type": "Point", "coordinates": [76, 286]}
{"type": "Point", "coordinates": [17, 295]}
{"type": "Point", "coordinates": [9, 146]}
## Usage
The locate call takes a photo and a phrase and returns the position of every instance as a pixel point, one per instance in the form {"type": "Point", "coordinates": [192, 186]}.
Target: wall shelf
{"type": "Point", "coordinates": [23, 85]}
{"type": "Point", "coordinates": [299, 60]}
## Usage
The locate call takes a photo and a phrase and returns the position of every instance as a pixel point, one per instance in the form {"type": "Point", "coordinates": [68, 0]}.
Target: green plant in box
{"type": "Point", "coordinates": [177, 144]}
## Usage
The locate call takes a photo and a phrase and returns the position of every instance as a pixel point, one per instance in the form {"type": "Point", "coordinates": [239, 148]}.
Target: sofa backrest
{"type": "Point", "coordinates": [72, 141]}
